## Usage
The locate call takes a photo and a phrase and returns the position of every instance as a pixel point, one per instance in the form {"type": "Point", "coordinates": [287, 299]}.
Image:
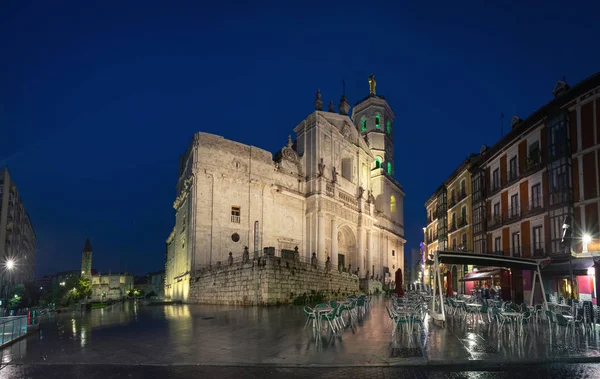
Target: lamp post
{"type": "Point", "coordinates": [8, 266]}
{"type": "Point", "coordinates": [566, 242]}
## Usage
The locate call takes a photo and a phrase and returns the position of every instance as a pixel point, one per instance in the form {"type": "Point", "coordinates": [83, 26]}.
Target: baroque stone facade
{"type": "Point", "coordinates": [330, 193]}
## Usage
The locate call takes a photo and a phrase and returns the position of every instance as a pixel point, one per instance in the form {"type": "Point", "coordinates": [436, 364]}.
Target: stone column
{"type": "Point", "coordinates": [360, 253]}
{"type": "Point", "coordinates": [321, 238]}
{"type": "Point", "coordinates": [369, 253]}
{"type": "Point", "coordinates": [334, 243]}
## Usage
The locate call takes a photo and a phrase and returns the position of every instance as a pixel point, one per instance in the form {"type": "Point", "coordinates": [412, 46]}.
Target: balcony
{"type": "Point", "coordinates": [462, 221]}
{"type": "Point", "coordinates": [513, 214]}
{"type": "Point", "coordinates": [461, 247]}
{"type": "Point", "coordinates": [512, 176]}
{"type": "Point", "coordinates": [452, 227]}
{"type": "Point", "coordinates": [534, 163]}
{"type": "Point", "coordinates": [494, 222]}
{"type": "Point", "coordinates": [462, 194]}
{"type": "Point", "coordinates": [235, 219]}
{"type": "Point", "coordinates": [496, 187]}
{"type": "Point", "coordinates": [535, 206]}
{"type": "Point", "coordinates": [452, 201]}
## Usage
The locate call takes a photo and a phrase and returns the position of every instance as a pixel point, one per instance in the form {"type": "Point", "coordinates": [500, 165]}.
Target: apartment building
{"type": "Point", "coordinates": [524, 187]}
{"type": "Point", "coordinates": [17, 237]}
{"type": "Point", "coordinates": [449, 218]}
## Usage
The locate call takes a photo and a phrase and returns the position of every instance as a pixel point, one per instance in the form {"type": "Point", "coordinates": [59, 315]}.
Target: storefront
{"type": "Point", "coordinates": [557, 280]}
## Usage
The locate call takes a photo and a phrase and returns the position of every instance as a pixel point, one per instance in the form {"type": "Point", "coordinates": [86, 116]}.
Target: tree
{"type": "Point", "coordinates": [84, 287]}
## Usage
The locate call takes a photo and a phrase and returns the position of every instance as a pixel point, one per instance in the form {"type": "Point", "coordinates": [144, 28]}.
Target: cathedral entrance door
{"type": "Point", "coordinates": [347, 251]}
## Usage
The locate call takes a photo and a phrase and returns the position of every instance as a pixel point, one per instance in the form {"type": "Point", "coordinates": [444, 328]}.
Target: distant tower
{"type": "Point", "coordinates": [375, 119]}
{"type": "Point", "coordinates": [86, 260]}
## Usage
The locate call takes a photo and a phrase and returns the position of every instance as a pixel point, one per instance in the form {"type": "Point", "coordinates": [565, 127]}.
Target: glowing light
{"type": "Point", "coordinates": [587, 238]}
{"type": "Point", "coordinates": [591, 271]}
{"type": "Point", "coordinates": [10, 264]}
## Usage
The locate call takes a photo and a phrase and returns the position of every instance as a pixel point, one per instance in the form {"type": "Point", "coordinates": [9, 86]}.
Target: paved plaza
{"type": "Point", "coordinates": [274, 336]}
{"type": "Point", "coordinates": [557, 371]}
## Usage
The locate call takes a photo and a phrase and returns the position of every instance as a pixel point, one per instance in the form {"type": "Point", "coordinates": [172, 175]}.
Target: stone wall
{"type": "Point", "coordinates": [267, 282]}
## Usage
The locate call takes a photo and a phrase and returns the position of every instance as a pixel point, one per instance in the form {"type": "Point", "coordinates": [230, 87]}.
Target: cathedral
{"type": "Point", "coordinates": [329, 193]}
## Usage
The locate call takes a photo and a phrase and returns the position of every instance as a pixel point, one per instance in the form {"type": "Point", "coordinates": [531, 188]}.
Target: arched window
{"type": "Point", "coordinates": [378, 162]}
{"type": "Point", "coordinates": [363, 124]}
{"type": "Point", "coordinates": [389, 168]}
{"type": "Point", "coordinates": [377, 121]}
{"type": "Point", "coordinates": [392, 204]}
{"type": "Point", "coordinates": [389, 127]}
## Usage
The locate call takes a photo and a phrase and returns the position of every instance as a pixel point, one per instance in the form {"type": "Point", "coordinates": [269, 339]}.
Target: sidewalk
{"type": "Point", "coordinates": [274, 336]}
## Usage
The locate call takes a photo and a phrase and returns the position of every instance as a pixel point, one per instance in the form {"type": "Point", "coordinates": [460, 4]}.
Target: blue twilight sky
{"type": "Point", "coordinates": [97, 102]}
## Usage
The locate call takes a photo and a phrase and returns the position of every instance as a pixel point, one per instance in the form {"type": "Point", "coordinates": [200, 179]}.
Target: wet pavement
{"type": "Point", "coordinates": [228, 336]}
{"type": "Point", "coordinates": [579, 371]}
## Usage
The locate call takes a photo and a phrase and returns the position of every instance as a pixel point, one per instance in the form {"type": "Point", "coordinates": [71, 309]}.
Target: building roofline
{"type": "Point", "coordinates": [543, 112]}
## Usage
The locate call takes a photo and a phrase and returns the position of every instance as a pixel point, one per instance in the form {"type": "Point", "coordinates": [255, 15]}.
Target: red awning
{"type": "Point", "coordinates": [480, 275]}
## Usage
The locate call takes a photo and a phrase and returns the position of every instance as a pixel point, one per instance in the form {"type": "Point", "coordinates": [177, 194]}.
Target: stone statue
{"type": "Point", "coordinates": [321, 167]}
{"type": "Point", "coordinates": [246, 256]}
{"type": "Point", "coordinates": [313, 260]}
{"type": "Point", "coordinates": [230, 259]}
{"type": "Point", "coordinates": [350, 269]}
{"type": "Point", "coordinates": [296, 254]}
{"type": "Point", "coordinates": [357, 271]}
{"type": "Point", "coordinates": [360, 192]}
{"type": "Point", "coordinates": [328, 264]}
{"type": "Point", "coordinates": [333, 175]}
{"type": "Point", "coordinates": [371, 197]}
{"type": "Point", "coordinates": [372, 85]}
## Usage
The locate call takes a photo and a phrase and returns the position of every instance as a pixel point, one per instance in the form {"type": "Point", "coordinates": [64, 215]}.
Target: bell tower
{"type": "Point", "coordinates": [374, 119]}
{"type": "Point", "coordinates": [86, 260]}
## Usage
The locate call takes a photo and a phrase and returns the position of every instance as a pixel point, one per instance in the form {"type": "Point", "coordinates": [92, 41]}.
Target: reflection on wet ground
{"type": "Point", "coordinates": [222, 335]}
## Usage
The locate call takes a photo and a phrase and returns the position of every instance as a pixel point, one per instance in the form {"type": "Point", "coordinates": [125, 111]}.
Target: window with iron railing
{"type": "Point", "coordinates": [516, 244]}
{"type": "Point", "coordinates": [496, 179]}
{"type": "Point", "coordinates": [498, 244]}
{"type": "Point", "coordinates": [538, 241]}
{"type": "Point", "coordinates": [514, 211]}
{"type": "Point", "coordinates": [512, 170]}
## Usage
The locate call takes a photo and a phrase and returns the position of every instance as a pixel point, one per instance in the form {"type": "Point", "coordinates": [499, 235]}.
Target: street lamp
{"type": "Point", "coordinates": [586, 240]}
{"type": "Point", "coordinates": [9, 265]}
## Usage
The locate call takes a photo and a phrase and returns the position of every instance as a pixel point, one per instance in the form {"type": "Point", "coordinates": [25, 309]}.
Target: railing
{"type": "Point", "coordinates": [290, 259]}
{"type": "Point", "coordinates": [452, 227]}
{"type": "Point", "coordinates": [462, 194]}
{"type": "Point", "coordinates": [452, 201]}
{"type": "Point", "coordinates": [494, 221]}
{"type": "Point", "coordinates": [349, 199]}
{"type": "Point", "coordinates": [235, 219]}
{"type": "Point", "coordinates": [534, 164]}
{"type": "Point", "coordinates": [461, 247]}
{"type": "Point", "coordinates": [522, 251]}
{"type": "Point", "coordinates": [535, 206]}
{"type": "Point", "coordinates": [12, 328]}
{"type": "Point", "coordinates": [513, 214]}
{"type": "Point", "coordinates": [496, 187]}
{"type": "Point", "coordinates": [429, 220]}
{"type": "Point", "coordinates": [512, 176]}
{"type": "Point", "coordinates": [462, 221]}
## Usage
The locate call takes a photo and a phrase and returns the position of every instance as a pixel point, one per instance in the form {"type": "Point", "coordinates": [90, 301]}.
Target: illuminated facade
{"type": "Point", "coordinates": [330, 192]}
{"type": "Point", "coordinates": [450, 218]}
{"type": "Point", "coordinates": [525, 186]}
